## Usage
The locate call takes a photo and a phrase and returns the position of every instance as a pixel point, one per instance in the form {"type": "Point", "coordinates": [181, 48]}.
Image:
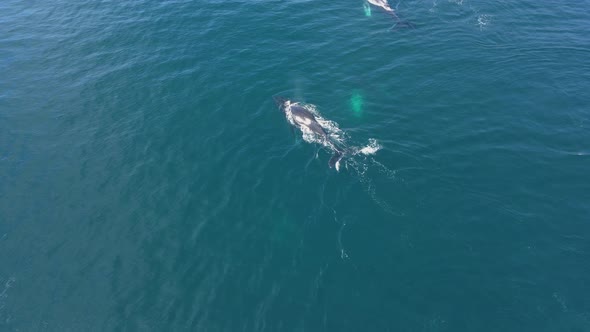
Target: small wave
{"type": "Point", "coordinates": [433, 8]}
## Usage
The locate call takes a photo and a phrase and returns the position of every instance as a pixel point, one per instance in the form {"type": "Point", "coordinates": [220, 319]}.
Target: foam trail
{"type": "Point", "coordinates": [355, 157]}
{"type": "Point", "coordinates": [343, 253]}
{"type": "Point", "coordinates": [361, 169]}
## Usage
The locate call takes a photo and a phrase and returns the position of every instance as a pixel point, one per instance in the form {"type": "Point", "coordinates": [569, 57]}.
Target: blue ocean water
{"type": "Point", "coordinates": [148, 181]}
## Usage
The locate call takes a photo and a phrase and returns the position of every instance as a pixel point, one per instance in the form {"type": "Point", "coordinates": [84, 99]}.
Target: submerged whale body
{"type": "Point", "coordinates": [302, 118]}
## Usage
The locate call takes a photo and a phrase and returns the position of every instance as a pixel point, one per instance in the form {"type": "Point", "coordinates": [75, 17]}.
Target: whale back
{"type": "Point", "coordinates": [304, 117]}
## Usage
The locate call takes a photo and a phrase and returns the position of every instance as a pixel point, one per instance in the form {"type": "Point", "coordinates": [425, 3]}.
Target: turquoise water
{"type": "Point", "coordinates": [149, 183]}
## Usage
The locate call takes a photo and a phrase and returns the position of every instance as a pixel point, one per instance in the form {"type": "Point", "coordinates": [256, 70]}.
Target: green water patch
{"type": "Point", "coordinates": [356, 103]}
{"type": "Point", "coordinates": [285, 232]}
{"type": "Point", "coordinates": [367, 9]}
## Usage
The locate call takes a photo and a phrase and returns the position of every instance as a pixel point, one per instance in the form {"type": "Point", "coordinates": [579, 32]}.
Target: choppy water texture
{"type": "Point", "coordinates": [149, 183]}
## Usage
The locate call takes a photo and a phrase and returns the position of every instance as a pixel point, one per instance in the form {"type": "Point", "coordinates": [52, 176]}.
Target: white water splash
{"type": "Point", "coordinates": [371, 148]}
{"type": "Point", "coordinates": [483, 20]}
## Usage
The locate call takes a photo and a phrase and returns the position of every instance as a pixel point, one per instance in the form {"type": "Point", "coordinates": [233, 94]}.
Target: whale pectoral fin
{"type": "Point", "coordinates": [401, 24]}
{"type": "Point", "coordinates": [335, 160]}
{"type": "Point", "coordinates": [406, 24]}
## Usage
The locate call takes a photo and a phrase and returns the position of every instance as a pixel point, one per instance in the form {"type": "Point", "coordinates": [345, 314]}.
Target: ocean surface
{"type": "Point", "coordinates": [148, 181]}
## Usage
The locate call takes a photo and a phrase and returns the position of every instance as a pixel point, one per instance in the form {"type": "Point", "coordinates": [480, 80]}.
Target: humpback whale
{"type": "Point", "coordinates": [385, 6]}
{"type": "Point", "coordinates": [302, 118]}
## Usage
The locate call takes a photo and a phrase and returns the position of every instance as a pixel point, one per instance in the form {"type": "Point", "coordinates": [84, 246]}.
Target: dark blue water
{"type": "Point", "coordinates": [148, 181]}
